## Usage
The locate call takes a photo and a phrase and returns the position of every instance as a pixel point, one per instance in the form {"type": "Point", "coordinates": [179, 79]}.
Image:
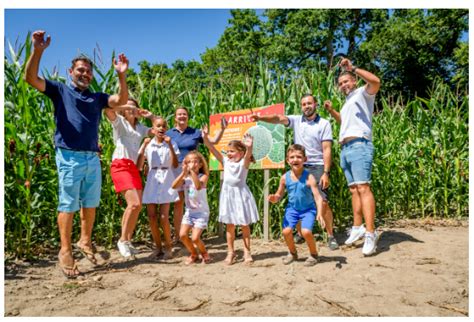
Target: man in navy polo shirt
{"type": "Point", "coordinates": [77, 113]}
{"type": "Point", "coordinates": [315, 134]}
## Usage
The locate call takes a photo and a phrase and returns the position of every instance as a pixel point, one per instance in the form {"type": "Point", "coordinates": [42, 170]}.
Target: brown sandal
{"type": "Point", "coordinates": [87, 253]}
{"type": "Point", "coordinates": [70, 272]}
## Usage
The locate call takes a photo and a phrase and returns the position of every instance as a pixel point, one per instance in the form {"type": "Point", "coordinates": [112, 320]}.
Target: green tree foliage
{"type": "Point", "coordinates": [408, 49]}
{"type": "Point", "coordinates": [416, 46]}
{"type": "Point", "coordinates": [240, 45]}
{"type": "Point", "coordinates": [461, 66]}
{"type": "Point", "coordinates": [306, 37]}
{"type": "Point", "coordinates": [421, 167]}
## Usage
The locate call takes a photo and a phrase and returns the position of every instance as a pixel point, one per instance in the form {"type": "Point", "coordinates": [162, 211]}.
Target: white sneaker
{"type": "Point", "coordinates": [132, 248]}
{"type": "Point", "coordinates": [124, 249]}
{"type": "Point", "coordinates": [356, 234]}
{"type": "Point", "coordinates": [370, 243]}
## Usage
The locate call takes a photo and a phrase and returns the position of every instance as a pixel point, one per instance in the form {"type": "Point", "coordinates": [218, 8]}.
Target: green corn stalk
{"type": "Point", "coordinates": [420, 167]}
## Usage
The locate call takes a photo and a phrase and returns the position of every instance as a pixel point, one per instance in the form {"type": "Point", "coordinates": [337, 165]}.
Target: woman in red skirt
{"type": "Point", "coordinates": [128, 135]}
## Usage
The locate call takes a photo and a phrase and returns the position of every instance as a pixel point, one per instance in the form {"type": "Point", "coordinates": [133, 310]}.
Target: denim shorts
{"type": "Point", "coordinates": [80, 179]}
{"type": "Point", "coordinates": [356, 161]}
{"type": "Point", "coordinates": [195, 219]}
{"type": "Point", "coordinates": [292, 216]}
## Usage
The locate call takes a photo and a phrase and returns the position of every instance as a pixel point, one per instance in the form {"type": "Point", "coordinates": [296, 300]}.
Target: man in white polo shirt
{"type": "Point", "coordinates": [315, 134]}
{"type": "Point", "coordinates": [357, 151]}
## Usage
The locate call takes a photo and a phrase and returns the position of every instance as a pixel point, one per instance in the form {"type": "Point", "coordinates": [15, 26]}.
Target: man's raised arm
{"type": "Point", "coordinates": [32, 66]}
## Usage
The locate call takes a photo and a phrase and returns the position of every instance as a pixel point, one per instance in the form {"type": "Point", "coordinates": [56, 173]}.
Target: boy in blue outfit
{"type": "Point", "coordinates": [303, 196]}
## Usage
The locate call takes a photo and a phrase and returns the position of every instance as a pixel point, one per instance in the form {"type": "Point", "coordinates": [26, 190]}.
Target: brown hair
{"type": "Point", "coordinates": [308, 95]}
{"type": "Point", "coordinates": [134, 101]}
{"type": "Point", "coordinates": [204, 169]}
{"type": "Point", "coordinates": [240, 146]}
{"type": "Point", "coordinates": [181, 108]}
{"type": "Point", "coordinates": [351, 74]}
{"type": "Point", "coordinates": [296, 147]}
{"type": "Point", "coordinates": [83, 58]}
{"type": "Point", "coordinates": [136, 104]}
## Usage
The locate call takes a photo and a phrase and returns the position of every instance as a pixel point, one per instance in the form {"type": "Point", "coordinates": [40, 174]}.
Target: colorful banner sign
{"type": "Point", "coordinates": [268, 139]}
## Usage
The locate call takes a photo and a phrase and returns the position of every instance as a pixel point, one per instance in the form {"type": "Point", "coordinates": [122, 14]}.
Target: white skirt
{"type": "Point", "coordinates": [237, 205]}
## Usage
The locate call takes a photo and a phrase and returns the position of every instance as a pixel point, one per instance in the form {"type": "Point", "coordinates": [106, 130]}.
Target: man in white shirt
{"type": "Point", "coordinates": [315, 134]}
{"type": "Point", "coordinates": [357, 150]}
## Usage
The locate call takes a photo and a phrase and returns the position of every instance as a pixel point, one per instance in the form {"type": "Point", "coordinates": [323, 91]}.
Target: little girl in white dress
{"type": "Point", "coordinates": [162, 155]}
{"type": "Point", "coordinates": [236, 203]}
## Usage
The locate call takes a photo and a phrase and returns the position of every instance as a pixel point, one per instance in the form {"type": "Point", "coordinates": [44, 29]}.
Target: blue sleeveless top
{"type": "Point", "coordinates": [300, 196]}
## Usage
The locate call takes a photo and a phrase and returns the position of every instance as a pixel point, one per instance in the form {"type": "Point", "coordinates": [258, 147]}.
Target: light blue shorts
{"type": "Point", "coordinates": [292, 216]}
{"type": "Point", "coordinates": [80, 179]}
{"type": "Point", "coordinates": [195, 219]}
{"type": "Point", "coordinates": [356, 161]}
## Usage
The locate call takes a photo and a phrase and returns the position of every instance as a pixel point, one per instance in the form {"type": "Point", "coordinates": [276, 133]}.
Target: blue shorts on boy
{"type": "Point", "coordinates": [301, 205]}
{"type": "Point", "coordinates": [292, 216]}
{"type": "Point", "coordinates": [80, 179]}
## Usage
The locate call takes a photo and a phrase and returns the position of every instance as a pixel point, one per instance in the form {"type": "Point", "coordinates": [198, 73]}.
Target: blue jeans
{"type": "Point", "coordinates": [80, 179]}
{"type": "Point", "coordinates": [356, 161]}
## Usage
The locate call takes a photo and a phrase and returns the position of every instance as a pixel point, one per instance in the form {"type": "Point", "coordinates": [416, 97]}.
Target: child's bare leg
{"type": "Point", "coordinates": [246, 238]}
{"type": "Point", "coordinates": [288, 234]}
{"type": "Point", "coordinates": [196, 238]}
{"type": "Point", "coordinates": [154, 227]}
{"type": "Point", "coordinates": [308, 236]}
{"type": "Point", "coordinates": [298, 228]}
{"type": "Point", "coordinates": [165, 224]}
{"type": "Point", "coordinates": [178, 213]}
{"type": "Point", "coordinates": [230, 234]}
{"type": "Point", "coordinates": [183, 235]}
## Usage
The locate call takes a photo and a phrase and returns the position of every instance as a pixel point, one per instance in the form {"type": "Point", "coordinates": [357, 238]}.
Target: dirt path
{"type": "Point", "coordinates": [419, 270]}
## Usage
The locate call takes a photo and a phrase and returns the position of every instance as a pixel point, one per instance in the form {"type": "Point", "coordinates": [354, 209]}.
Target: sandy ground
{"type": "Point", "coordinates": [420, 269]}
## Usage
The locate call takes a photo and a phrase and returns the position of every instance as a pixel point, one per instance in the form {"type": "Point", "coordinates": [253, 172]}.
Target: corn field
{"type": "Point", "coordinates": [420, 165]}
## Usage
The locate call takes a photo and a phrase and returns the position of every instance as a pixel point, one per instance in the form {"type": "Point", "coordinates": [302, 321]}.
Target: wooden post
{"type": "Point", "coordinates": [266, 178]}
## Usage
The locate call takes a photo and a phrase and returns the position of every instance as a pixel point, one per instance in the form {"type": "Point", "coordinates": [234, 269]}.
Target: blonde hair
{"type": "Point", "coordinates": [204, 169]}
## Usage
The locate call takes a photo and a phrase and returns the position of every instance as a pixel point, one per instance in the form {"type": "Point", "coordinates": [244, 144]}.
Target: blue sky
{"type": "Point", "coordinates": [154, 35]}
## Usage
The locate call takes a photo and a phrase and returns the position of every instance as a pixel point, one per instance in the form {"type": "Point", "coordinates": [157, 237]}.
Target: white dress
{"type": "Point", "coordinates": [160, 175]}
{"type": "Point", "coordinates": [236, 204]}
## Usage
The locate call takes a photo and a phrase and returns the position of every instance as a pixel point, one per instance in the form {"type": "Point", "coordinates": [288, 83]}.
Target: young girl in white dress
{"type": "Point", "coordinates": [161, 155]}
{"type": "Point", "coordinates": [236, 203]}
{"type": "Point", "coordinates": [193, 179]}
